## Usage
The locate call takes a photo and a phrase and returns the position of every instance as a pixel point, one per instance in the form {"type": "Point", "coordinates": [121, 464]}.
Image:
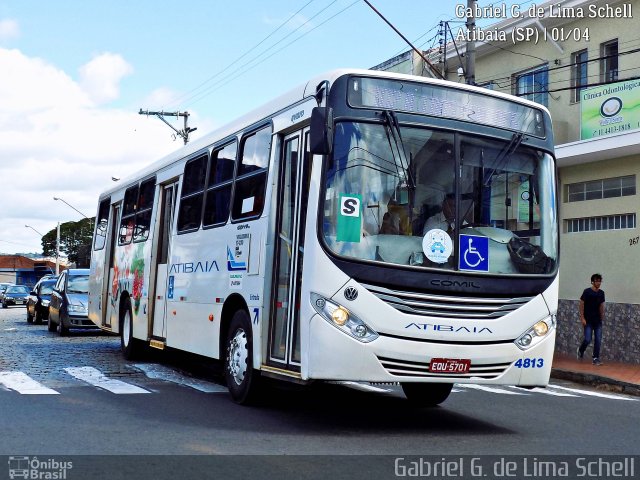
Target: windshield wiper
{"type": "Point", "coordinates": [503, 156]}
{"type": "Point", "coordinates": [399, 154]}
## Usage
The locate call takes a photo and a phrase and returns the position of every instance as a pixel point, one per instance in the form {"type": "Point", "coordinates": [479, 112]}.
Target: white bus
{"type": "Point", "coordinates": [367, 226]}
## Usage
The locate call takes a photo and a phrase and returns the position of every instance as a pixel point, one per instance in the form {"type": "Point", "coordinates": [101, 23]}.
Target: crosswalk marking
{"type": "Point", "coordinates": [95, 377]}
{"type": "Point", "coordinates": [161, 372]}
{"type": "Point", "coordinates": [545, 391]}
{"type": "Point", "coordinates": [486, 388]}
{"type": "Point", "coordinates": [23, 384]}
{"type": "Point", "coordinates": [362, 386]}
{"type": "Point", "coordinates": [596, 394]}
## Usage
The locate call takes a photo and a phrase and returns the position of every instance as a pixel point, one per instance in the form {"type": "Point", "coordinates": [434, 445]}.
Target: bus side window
{"type": "Point", "coordinates": [101, 224]}
{"type": "Point", "coordinates": [128, 215]}
{"type": "Point", "coordinates": [218, 196]}
{"type": "Point", "coordinates": [251, 179]}
{"type": "Point", "coordinates": [190, 211]}
{"type": "Point", "coordinates": [144, 209]}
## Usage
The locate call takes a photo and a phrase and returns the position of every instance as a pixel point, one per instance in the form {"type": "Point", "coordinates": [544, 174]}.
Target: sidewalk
{"type": "Point", "coordinates": [612, 376]}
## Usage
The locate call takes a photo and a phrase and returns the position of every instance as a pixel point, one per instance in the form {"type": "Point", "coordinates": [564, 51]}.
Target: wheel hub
{"type": "Point", "coordinates": [238, 353]}
{"type": "Point", "coordinates": [126, 325]}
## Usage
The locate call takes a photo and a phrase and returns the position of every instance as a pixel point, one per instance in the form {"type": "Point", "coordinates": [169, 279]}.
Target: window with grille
{"type": "Point", "coordinates": [608, 222]}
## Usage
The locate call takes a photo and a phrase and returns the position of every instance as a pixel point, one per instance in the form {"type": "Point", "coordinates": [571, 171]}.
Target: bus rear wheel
{"type": "Point", "coordinates": [242, 380]}
{"type": "Point", "coordinates": [427, 394]}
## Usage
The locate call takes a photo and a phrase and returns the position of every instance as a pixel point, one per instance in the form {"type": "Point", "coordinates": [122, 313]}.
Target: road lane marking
{"type": "Point", "coordinates": [486, 388]}
{"type": "Point", "coordinates": [362, 386]}
{"type": "Point", "coordinates": [161, 372]}
{"type": "Point", "coordinates": [95, 377]}
{"type": "Point", "coordinates": [23, 384]}
{"type": "Point", "coordinates": [595, 394]}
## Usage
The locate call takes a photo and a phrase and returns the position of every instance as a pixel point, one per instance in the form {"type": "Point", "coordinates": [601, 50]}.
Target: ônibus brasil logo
{"type": "Point", "coordinates": [35, 468]}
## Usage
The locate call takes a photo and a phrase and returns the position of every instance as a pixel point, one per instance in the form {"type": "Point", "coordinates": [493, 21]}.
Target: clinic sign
{"type": "Point", "coordinates": [610, 109]}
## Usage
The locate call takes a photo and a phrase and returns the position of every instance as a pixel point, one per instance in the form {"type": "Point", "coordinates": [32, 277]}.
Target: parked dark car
{"type": "Point", "coordinates": [38, 301]}
{"type": "Point", "coordinates": [15, 295]}
{"type": "Point", "coordinates": [69, 302]}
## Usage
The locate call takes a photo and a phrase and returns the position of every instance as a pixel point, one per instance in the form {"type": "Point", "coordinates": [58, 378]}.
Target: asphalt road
{"type": "Point", "coordinates": [69, 397]}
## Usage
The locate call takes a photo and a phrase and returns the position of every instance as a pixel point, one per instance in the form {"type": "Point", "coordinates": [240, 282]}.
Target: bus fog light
{"type": "Point", "coordinates": [360, 330]}
{"type": "Point", "coordinates": [342, 319]}
{"type": "Point", "coordinates": [340, 315]}
{"type": "Point", "coordinates": [525, 340]}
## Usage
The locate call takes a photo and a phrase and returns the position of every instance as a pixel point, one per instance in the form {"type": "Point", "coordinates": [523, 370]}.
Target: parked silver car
{"type": "Point", "coordinates": [68, 307]}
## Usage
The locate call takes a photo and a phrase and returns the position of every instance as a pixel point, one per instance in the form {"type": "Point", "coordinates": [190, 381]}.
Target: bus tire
{"type": "Point", "coordinates": [242, 380]}
{"type": "Point", "coordinates": [131, 347]}
{"type": "Point", "coordinates": [426, 394]}
{"type": "Point", "coordinates": [52, 327]}
{"type": "Point", "coordinates": [62, 330]}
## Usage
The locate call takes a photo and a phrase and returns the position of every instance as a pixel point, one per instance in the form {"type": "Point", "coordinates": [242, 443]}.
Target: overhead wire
{"type": "Point", "coordinates": [224, 81]}
{"type": "Point", "coordinates": [180, 98]}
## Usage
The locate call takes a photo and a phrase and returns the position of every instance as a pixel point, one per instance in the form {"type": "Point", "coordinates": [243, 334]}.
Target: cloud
{"type": "Point", "coordinates": [100, 78]}
{"type": "Point", "coordinates": [9, 29]}
{"type": "Point", "coordinates": [56, 140]}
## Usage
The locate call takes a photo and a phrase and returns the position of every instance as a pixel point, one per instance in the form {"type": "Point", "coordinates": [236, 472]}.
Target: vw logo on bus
{"type": "Point", "coordinates": [350, 293]}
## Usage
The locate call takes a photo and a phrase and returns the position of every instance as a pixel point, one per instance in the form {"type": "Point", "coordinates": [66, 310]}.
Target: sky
{"type": "Point", "coordinates": [75, 73]}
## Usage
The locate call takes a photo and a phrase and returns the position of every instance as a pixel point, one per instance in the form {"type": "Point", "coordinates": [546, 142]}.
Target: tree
{"type": "Point", "coordinates": [73, 236]}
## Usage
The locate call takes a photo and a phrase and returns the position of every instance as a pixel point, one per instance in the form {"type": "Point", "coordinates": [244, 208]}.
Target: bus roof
{"type": "Point", "coordinates": [286, 100]}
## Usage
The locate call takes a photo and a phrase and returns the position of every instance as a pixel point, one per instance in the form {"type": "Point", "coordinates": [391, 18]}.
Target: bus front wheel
{"type": "Point", "coordinates": [427, 394]}
{"type": "Point", "coordinates": [242, 379]}
{"type": "Point", "coordinates": [131, 347]}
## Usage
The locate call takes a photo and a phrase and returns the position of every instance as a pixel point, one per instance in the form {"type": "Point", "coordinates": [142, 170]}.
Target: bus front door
{"type": "Point", "coordinates": [293, 195]}
{"type": "Point", "coordinates": [163, 286]}
{"type": "Point", "coordinates": [110, 287]}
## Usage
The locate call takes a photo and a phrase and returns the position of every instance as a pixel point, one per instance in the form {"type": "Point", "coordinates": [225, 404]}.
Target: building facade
{"type": "Point", "coordinates": [581, 59]}
{"type": "Point", "coordinates": [24, 270]}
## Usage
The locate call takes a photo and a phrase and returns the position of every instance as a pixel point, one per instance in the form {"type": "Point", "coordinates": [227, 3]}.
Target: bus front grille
{"type": "Point", "coordinates": [406, 368]}
{"type": "Point", "coordinates": [445, 306]}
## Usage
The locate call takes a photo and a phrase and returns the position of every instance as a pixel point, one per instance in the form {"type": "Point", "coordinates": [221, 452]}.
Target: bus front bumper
{"type": "Point", "coordinates": [334, 355]}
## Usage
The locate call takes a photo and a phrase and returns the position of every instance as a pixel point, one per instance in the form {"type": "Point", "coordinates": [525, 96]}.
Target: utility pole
{"type": "Point", "coordinates": [58, 249]}
{"type": "Point", "coordinates": [470, 71]}
{"type": "Point", "coordinates": [184, 133]}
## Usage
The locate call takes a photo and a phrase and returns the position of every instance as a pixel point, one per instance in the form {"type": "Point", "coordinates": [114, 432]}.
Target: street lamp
{"type": "Point", "coordinates": [68, 204]}
{"type": "Point", "coordinates": [29, 226]}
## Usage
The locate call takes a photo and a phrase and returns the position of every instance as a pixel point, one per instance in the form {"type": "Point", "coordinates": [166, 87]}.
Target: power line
{"type": "Point", "coordinates": [421, 54]}
{"type": "Point", "coordinates": [205, 92]}
{"type": "Point", "coordinates": [221, 83]}
{"type": "Point", "coordinates": [513, 80]}
{"type": "Point", "coordinates": [565, 58]}
{"type": "Point", "coordinates": [177, 100]}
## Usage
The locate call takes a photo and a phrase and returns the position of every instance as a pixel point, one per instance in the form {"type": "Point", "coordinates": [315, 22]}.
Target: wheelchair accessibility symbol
{"type": "Point", "coordinates": [474, 253]}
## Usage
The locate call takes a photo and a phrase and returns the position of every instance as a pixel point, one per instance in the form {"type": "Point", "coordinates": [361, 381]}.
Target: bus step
{"type": "Point", "coordinates": [159, 344]}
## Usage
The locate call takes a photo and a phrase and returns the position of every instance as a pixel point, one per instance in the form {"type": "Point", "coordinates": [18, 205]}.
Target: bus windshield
{"type": "Point", "coordinates": [406, 195]}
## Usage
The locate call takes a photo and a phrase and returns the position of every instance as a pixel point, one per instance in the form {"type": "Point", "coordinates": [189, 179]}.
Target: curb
{"type": "Point", "coordinates": [604, 383]}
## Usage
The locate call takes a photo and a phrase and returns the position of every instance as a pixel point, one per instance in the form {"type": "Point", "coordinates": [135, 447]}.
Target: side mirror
{"type": "Point", "coordinates": [321, 131]}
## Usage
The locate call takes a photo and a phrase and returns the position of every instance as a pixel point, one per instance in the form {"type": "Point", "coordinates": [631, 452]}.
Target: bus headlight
{"type": "Point", "coordinates": [536, 333]}
{"type": "Point", "coordinates": [342, 319]}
